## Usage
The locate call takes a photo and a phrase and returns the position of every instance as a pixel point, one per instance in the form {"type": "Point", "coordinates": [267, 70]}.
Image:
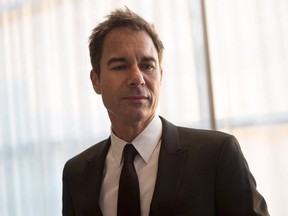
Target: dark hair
{"type": "Point", "coordinates": [117, 19]}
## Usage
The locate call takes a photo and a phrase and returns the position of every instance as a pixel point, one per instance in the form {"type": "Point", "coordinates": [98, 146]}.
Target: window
{"type": "Point", "coordinates": [225, 66]}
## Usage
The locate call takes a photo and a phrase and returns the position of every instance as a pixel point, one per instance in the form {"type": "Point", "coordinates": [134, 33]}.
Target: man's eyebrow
{"type": "Point", "coordinates": [120, 59]}
{"type": "Point", "coordinates": [148, 59]}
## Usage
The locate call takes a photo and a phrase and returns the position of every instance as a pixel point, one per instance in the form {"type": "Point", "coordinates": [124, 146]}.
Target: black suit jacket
{"type": "Point", "coordinates": [199, 173]}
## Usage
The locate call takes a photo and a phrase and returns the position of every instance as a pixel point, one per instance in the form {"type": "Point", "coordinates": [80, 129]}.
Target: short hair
{"type": "Point", "coordinates": [117, 19]}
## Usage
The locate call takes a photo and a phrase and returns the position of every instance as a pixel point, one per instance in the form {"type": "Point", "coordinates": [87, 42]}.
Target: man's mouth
{"type": "Point", "coordinates": [135, 98]}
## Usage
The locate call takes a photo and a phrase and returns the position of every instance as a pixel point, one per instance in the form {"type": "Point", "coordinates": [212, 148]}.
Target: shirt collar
{"type": "Point", "coordinates": [145, 142]}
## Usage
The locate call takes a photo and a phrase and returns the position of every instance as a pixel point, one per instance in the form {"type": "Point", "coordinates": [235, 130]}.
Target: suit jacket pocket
{"type": "Point", "coordinates": [186, 207]}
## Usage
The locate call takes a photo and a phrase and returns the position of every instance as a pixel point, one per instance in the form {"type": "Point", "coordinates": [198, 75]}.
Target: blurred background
{"type": "Point", "coordinates": [225, 68]}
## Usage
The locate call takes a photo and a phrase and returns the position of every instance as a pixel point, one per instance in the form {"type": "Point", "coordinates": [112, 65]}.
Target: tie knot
{"type": "Point", "coordinates": [129, 153]}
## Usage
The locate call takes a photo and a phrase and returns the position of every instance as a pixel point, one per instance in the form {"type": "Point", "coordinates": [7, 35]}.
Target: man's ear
{"type": "Point", "coordinates": [161, 74]}
{"type": "Point", "coordinates": [95, 82]}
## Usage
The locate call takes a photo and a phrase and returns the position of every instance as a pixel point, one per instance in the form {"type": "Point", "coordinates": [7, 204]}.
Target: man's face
{"type": "Point", "coordinates": [130, 76]}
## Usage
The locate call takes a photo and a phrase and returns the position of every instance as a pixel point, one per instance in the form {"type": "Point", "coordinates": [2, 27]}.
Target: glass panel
{"type": "Point", "coordinates": [249, 59]}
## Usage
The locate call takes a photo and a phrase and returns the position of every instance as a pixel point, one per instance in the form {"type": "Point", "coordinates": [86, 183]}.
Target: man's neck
{"type": "Point", "coordinates": [128, 131]}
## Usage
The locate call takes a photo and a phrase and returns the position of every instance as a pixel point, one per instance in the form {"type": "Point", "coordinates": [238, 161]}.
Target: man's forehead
{"type": "Point", "coordinates": [127, 36]}
{"type": "Point", "coordinates": [123, 47]}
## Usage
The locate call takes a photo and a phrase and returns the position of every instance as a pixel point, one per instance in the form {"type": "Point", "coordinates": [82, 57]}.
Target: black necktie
{"type": "Point", "coordinates": [128, 194]}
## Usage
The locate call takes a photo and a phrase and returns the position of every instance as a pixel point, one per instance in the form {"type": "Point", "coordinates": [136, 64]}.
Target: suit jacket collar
{"type": "Point", "coordinates": [170, 168]}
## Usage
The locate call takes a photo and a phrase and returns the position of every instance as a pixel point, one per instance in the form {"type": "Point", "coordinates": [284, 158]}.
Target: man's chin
{"type": "Point", "coordinates": [139, 116]}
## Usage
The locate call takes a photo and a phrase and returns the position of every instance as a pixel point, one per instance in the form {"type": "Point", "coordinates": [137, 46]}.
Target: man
{"type": "Point", "coordinates": [180, 171]}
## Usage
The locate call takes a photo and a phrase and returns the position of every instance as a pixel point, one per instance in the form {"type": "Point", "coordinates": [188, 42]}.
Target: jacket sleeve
{"type": "Point", "coordinates": [236, 192]}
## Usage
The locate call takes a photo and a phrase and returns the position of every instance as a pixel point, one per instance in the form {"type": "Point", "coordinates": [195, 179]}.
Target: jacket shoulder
{"type": "Point", "coordinates": [202, 134]}
{"type": "Point", "coordinates": [78, 161]}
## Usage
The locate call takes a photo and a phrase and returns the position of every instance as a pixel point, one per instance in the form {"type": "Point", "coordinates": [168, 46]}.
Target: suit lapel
{"type": "Point", "coordinates": [170, 170]}
{"type": "Point", "coordinates": [94, 175]}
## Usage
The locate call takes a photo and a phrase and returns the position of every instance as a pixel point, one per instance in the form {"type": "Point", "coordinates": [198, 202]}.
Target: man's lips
{"type": "Point", "coordinates": [135, 97]}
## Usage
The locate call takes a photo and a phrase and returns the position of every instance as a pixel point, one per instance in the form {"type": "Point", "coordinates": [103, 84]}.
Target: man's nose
{"type": "Point", "coordinates": [135, 78]}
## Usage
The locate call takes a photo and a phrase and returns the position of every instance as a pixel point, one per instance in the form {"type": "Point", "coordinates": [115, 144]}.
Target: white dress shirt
{"type": "Point", "coordinates": [147, 143]}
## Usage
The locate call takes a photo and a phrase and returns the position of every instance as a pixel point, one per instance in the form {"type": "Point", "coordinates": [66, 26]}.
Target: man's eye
{"type": "Point", "coordinates": [149, 67]}
{"type": "Point", "coordinates": [119, 67]}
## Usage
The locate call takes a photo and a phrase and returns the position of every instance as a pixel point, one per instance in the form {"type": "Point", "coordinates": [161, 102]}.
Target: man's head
{"type": "Point", "coordinates": [117, 19]}
{"type": "Point", "coordinates": [127, 73]}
